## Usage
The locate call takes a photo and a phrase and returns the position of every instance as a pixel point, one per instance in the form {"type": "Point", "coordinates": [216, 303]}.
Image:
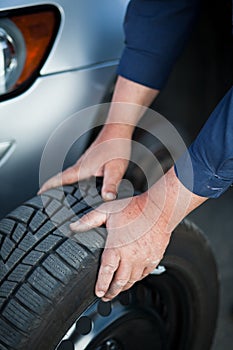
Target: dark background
{"type": "Point", "coordinates": [215, 218]}
{"type": "Point", "coordinates": [200, 79]}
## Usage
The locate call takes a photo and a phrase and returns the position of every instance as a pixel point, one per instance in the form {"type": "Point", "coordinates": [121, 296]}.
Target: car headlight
{"type": "Point", "coordinates": [25, 41]}
{"type": "Point", "coordinates": [12, 55]}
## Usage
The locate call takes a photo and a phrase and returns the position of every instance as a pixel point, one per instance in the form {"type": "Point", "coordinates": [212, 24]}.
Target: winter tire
{"type": "Point", "coordinates": [47, 284]}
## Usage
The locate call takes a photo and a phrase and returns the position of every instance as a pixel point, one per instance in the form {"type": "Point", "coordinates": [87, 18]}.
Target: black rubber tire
{"type": "Point", "coordinates": [47, 278]}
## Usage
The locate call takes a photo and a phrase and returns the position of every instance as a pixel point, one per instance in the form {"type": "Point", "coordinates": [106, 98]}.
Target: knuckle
{"type": "Point", "coordinates": [84, 219]}
{"type": "Point", "coordinates": [120, 282]}
{"type": "Point", "coordinates": [109, 269]}
{"type": "Point", "coordinates": [113, 290]}
{"type": "Point", "coordinates": [152, 261]}
{"type": "Point", "coordinates": [110, 257]}
{"type": "Point", "coordinates": [126, 287]}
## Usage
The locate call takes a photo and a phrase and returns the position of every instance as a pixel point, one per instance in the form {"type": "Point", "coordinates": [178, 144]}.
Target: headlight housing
{"type": "Point", "coordinates": [26, 37]}
{"type": "Point", "coordinates": [12, 55]}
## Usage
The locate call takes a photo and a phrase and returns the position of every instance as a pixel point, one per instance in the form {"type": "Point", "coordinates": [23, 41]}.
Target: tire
{"type": "Point", "coordinates": [48, 278]}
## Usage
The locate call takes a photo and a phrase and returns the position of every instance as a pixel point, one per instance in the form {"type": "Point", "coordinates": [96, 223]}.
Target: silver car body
{"type": "Point", "coordinates": [77, 73]}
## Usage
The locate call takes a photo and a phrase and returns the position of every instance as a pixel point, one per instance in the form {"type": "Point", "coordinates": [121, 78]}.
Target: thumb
{"type": "Point", "coordinates": [67, 177]}
{"type": "Point", "coordinates": [93, 219]}
{"type": "Point", "coordinates": [113, 173]}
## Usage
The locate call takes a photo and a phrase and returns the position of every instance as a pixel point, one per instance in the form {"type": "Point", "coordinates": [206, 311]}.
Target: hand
{"type": "Point", "coordinates": [139, 230]}
{"type": "Point", "coordinates": [107, 157]}
{"type": "Point", "coordinates": [136, 241]}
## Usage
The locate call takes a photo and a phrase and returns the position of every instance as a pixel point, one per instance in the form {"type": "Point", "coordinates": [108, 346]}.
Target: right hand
{"type": "Point", "coordinates": [108, 156]}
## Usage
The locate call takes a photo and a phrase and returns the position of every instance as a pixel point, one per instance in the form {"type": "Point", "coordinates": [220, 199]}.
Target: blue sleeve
{"type": "Point", "coordinates": [155, 34]}
{"type": "Point", "coordinates": [210, 171]}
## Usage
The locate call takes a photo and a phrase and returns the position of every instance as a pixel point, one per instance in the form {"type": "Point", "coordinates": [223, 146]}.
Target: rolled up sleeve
{"type": "Point", "coordinates": [155, 34]}
{"type": "Point", "coordinates": [206, 168]}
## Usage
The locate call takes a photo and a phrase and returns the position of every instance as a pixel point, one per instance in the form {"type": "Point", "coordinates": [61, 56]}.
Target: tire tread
{"type": "Point", "coordinates": [37, 260]}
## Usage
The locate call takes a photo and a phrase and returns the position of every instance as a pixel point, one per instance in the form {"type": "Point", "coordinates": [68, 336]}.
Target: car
{"type": "Point", "coordinates": [58, 59]}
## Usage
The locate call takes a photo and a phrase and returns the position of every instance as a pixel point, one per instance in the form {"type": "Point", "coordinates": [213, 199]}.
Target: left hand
{"type": "Point", "coordinates": [136, 242]}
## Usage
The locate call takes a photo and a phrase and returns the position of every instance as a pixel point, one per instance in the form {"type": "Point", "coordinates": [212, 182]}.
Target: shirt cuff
{"type": "Point", "coordinates": [154, 76]}
{"type": "Point", "coordinates": [197, 178]}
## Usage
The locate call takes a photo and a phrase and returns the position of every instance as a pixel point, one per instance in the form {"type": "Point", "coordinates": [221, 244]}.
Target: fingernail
{"type": "Point", "coordinates": [110, 196]}
{"type": "Point", "coordinates": [100, 293]}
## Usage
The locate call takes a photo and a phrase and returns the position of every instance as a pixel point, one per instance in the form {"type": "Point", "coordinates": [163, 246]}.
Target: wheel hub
{"type": "Point", "coordinates": [127, 322]}
{"type": "Point", "coordinates": [153, 314]}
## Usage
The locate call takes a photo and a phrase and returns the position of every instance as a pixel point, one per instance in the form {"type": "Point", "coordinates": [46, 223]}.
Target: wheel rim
{"type": "Point", "coordinates": [156, 313]}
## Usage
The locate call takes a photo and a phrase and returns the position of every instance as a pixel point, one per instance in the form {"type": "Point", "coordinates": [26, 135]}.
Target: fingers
{"type": "Point", "coordinates": [149, 268]}
{"type": "Point", "coordinates": [55, 181]}
{"type": "Point", "coordinates": [69, 176]}
{"type": "Point", "coordinates": [124, 278]}
{"type": "Point", "coordinates": [113, 173]}
{"type": "Point", "coordinates": [109, 264]}
{"type": "Point", "coordinates": [116, 275]}
{"type": "Point", "coordinates": [120, 280]}
{"type": "Point", "coordinates": [93, 219]}
{"type": "Point", "coordinates": [134, 277]}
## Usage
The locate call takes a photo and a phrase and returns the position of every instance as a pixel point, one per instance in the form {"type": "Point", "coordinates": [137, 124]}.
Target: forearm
{"type": "Point", "coordinates": [147, 60]}
{"type": "Point", "coordinates": [129, 102]}
{"type": "Point", "coordinates": [130, 92]}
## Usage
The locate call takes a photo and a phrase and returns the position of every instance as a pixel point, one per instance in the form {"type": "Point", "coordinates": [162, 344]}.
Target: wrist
{"type": "Point", "coordinates": [174, 200]}
{"type": "Point", "coordinates": [114, 130]}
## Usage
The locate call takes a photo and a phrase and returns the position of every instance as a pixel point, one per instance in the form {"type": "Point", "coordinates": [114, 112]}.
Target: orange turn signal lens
{"type": "Point", "coordinates": [25, 41]}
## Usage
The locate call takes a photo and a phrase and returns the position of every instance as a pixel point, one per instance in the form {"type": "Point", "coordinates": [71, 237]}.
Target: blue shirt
{"type": "Point", "coordinates": [155, 34]}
